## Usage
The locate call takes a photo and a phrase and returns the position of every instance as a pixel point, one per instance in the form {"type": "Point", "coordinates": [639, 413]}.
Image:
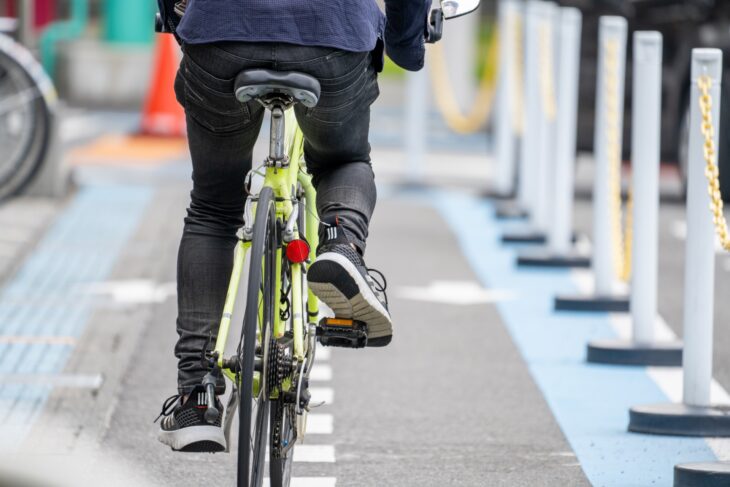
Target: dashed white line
{"type": "Point", "coordinates": [321, 373]}
{"type": "Point", "coordinates": [314, 454]}
{"type": "Point", "coordinates": [309, 482]}
{"type": "Point", "coordinates": [322, 394]}
{"type": "Point", "coordinates": [322, 353]}
{"type": "Point", "coordinates": [320, 424]}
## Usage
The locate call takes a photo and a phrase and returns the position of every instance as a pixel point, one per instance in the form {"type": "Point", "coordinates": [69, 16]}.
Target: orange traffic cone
{"type": "Point", "coordinates": [162, 114]}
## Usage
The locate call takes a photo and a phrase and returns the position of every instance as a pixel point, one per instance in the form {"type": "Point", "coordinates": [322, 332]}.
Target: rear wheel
{"type": "Point", "coordinates": [24, 125]}
{"type": "Point", "coordinates": [260, 295]}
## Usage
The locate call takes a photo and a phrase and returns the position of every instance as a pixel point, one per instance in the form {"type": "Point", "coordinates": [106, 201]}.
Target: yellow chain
{"type": "Point", "coordinates": [621, 237]}
{"type": "Point", "coordinates": [444, 93]}
{"type": "Point", "coordinates": [712, 173]}
{"type": "Point", "coordinates": [517, 100]}
{"type": "Point", "coordinates": [547, 84]}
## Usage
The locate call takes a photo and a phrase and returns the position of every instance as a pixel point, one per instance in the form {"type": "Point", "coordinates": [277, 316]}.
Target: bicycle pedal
{"type": "Point", "coordinates": [339, 332]}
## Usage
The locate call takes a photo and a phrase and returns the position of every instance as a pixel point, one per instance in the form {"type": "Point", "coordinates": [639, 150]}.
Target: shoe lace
{"type": "Point", "coordinates": [381, 284]}
{"type": "Point", "coordinates": [168, 406]}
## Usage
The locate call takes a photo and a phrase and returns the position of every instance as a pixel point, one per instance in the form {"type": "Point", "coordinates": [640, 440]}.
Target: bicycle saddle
{"type": "Point", "coordinates": [262, 83]}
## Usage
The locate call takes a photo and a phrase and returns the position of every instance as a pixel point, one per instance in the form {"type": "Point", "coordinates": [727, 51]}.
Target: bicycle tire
{"type": "Point", "coordinates": [19, 76]}
{"type": "Point", "coordinates": [252, 432]}
{"type": "Point", "coordinates": [280, 468]}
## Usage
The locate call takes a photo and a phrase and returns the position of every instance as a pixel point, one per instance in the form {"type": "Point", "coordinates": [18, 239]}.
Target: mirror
{"type": "Point", "coordinates": [457, 8]}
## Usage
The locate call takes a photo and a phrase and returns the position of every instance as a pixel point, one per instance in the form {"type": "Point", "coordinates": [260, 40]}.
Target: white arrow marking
{"type": "Point", "coordinates": [454, 292]}
{"type": "Point", "coordinates": [135, 291]}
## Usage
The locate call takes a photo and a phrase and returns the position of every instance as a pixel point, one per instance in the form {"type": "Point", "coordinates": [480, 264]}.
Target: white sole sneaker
{"type": "Point", "coordinates": [338, 283]}
{"type": "Point", "coordinates": [194, 439]}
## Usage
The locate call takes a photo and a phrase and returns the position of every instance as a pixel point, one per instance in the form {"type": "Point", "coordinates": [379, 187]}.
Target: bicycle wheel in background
{"type": "Point", "coordinates": [25, 118]}
{"type": "Point", "coordinates": [258, 317]}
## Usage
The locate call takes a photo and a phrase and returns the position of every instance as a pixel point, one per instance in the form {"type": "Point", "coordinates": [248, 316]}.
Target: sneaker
{"type": "Point", "coordinates": [341, 280]}
{"type": "Point", "coordinates": [184, 428]}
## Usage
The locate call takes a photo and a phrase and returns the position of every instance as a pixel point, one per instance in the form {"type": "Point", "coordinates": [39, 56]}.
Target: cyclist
{"type": "Point", "coordinates": [339, 42]}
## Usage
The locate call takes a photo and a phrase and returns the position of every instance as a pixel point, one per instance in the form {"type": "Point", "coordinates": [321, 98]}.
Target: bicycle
{"type": "Point", "coordinates": [270, 369]}
{"type": "Point", "coordinates": [27, 108]}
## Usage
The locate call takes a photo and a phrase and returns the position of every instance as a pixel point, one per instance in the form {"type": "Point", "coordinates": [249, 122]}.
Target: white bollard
{"type": "Point", "coordinates": [527, 183]}
{"type": "Point", "coordinates": [561, 233]}
{"type": "Point", "coordinates": [504, 133]}
{"type": "Point", "coordinates": [545, 125]}
{"type": "Point", "coordinates": [611, 29]}
{"type": "Point", "coordinates": [700, 249]}
{"type": "Point", "coordinates": [645, 159]}
{"type": "Point", "coordinates": [645, 134]}
{"type": "Point", "coordinates": [611, 49]}
{"type": "Point", "coordinates": [417, 106]}
{"type": "Point", "coordinates": [695, 416]}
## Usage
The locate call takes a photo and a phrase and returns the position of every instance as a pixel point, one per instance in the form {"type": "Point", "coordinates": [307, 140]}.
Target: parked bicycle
{"type": "Point", "coordinates": [27, 102]}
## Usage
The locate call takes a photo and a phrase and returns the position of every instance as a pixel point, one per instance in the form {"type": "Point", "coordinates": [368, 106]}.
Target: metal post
{"type": "Point", "coordinates": [646, 128]}
{"type": "Point", "coordinates": [560, 234]}
{"type": "Point", "coordinates": [528, 146]}
{"type": "Point", "coordinates": [700, 249]}
{"type": "Point", "coordinates": [26, 17]}
{"type": "Point", "coordinates": [611, 49]}
{"type": "Point", "coordinates": [543, 171]}
{"type": "Point", "coordinates": [695, 416]}
{"type": "Point", "coordinates": [504, 132]}
{"type": "Point", "coordinates": [417, 105]}
{"type": "Point", "coordinates": [645, 132]}
{"type": "Point", "coordinates": [612, 29]}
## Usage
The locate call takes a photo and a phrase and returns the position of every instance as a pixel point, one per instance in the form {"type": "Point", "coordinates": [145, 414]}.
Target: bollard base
{"type": "Point", "coordinates": [494, 194]}
{"type": "Point", "coordinates": [680, 420]}
{"type": "Point", "coordinates": [606, 304]}
{"type": "Point", "coordinates": [524, 236]}
{"type": "Point", "coordinates": [704, 474]}
{"type": "Point", "coordinates": [510, 210]}
{"type": "Point", "coordinates": [547, 258]}
{"type": "Point", "coordinates": [624, 352]}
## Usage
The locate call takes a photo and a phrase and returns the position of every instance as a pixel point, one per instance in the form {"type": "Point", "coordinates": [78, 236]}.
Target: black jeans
{"type": "Point", "coordinates": [221, 134]}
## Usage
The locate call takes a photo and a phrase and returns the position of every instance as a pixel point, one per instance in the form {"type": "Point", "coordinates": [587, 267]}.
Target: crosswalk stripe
{"type": "Point", "coordinates": [320, 424]}
{"type": "Point", "coordinates": [322, 353]}
{"type": "Point", "coordinates": [314, 454]}
{"type": "Point", "coordinates": [309, 482]}
{"type": "Point", "coordinates": [321, 373]}
{"type": "Point", "coordinates": [322, 394]}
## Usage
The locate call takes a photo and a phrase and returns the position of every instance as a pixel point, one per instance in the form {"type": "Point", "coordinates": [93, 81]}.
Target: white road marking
{"type": "Point", "coordinates": [679, 231]}
{"type": "Point", "coordinates": [319, 424]}
{"type": "Point", "coordinates": [621, 323]}
{"type": "Point", "coordinates": [314, 453]}
{"type": "Point", "coordinates": [583, 279]}
{"type": "Point", "coordinates": [322, 394]}
{"type": "Point", "coordinates": [135, 291]}
{"type": "Point", "coordinates": [322, 353]}
{"type": "Point", "coordinates": [454, 292]}
{"type": "Point", "coordinates": [309, 482]}
{"type": "Point", "coordinates": [321, 373]}
{"type": "Point", "coordinates": [74, 381]}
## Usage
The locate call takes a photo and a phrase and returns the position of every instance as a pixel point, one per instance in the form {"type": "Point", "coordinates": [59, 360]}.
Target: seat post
{"type": "Point", "coordinates": [276, 141]}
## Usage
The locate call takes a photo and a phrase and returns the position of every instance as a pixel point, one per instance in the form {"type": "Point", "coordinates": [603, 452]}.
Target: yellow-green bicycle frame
{"type": "Point", "coordinates": [284, 183]}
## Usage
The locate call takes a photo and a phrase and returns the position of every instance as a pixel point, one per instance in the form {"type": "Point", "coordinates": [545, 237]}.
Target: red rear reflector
{"type": "Point", "coordinates": [297, 251]}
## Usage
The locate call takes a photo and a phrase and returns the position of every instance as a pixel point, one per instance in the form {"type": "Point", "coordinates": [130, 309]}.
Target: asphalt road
{"type": "Point", "coordinates": [450, 402]}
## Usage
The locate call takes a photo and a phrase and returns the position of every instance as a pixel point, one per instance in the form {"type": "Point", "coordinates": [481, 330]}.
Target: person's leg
{"type": "Point", "coordinates": [336, 147]}
{"type": "Point", "coordinates": [221, 135]}
{"type": "Point", "coordinates": [337, 152]}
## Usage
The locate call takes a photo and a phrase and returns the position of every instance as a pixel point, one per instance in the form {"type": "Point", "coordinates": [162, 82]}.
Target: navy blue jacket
{"type": "Point", "coordinates": [350, 25]}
